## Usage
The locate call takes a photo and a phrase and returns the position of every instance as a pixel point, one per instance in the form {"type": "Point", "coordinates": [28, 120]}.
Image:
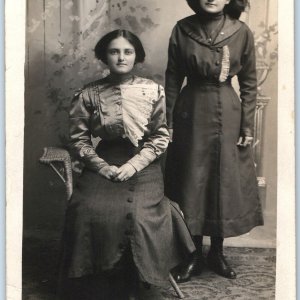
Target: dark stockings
{"type": "Point", "coordinates": [216, 260]}
{"type": "Point", "coordinates": [216, 244]}
{"type": "Point", "coordinates": [198, 241]}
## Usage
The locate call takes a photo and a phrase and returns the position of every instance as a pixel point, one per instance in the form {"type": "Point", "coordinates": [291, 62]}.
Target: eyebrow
{"type": "Point", "coordinates": [120, 49]}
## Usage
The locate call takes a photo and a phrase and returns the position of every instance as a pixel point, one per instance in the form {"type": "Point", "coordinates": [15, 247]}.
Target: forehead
{"type": "Point", "coordinates": [120, 43]}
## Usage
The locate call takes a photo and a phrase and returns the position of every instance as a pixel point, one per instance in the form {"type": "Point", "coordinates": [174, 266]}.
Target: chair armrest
{"type": "Point", "coordinates": [53, 155]}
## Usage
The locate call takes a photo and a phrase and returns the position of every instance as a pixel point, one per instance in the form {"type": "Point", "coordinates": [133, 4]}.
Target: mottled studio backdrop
{"type": "Point", "coordinates": [61, 35]}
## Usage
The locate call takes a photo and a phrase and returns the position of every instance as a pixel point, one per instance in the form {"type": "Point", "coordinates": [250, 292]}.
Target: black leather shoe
{"type": "Point", "coordinates": [192, 267]}
{"type": "Point", "coordinates": [217, 262]}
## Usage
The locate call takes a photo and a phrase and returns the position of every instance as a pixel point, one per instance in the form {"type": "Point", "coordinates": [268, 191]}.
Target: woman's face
{"type": "Point", "coordinates": [213, 6]}
{"type": "Point", "coordinates": [120, 56]}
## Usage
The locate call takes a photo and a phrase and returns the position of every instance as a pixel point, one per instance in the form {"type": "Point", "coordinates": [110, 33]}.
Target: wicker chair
{"type": "Point", "coordinates": [59, 160]}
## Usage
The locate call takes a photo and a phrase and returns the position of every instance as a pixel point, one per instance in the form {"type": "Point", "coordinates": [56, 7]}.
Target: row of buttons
{"type": "Point", "coordinates": [129, 216]}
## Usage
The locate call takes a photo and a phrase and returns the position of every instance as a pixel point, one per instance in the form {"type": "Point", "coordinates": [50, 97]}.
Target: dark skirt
{"type": "Point", "coordinates": [105, 219]}
{"type": "Point", "coordinates": [211, 178]}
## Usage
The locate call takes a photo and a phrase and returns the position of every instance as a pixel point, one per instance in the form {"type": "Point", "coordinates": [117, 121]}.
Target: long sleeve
{"type": "Point", "coordinates": [248, 86]}
{"type": "Point", "coordinates": [157, 141]}
{"type": "Point", "coordinates": [174, 76]}
{"type": "Point", "coordinates": [80, 135]}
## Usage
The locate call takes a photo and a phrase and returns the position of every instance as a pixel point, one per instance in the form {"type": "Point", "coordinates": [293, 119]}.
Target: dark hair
{"type": "Point", "coordinates": [234, 8]}
{"type": "Point", "coordinates": [101, 46]}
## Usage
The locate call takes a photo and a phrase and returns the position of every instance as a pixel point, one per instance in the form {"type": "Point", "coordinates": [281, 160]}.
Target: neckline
{"type": "Point", "coordinates": [118, 80]}
{"type": "Point", "coordinates": [206, 17]}
{"type": "Point", "coordinates": [192, 26]}
{"type": "Point", "coordinates": [213, 34]}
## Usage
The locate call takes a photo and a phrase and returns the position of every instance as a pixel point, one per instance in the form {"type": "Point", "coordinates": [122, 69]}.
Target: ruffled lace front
{"type": "Point", "coordinates": [137, 105]}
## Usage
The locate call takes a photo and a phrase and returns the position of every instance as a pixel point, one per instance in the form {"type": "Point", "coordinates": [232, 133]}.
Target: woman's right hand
{"type": "Point", "coordinates": [109, 172]}
{"type": "Point", "coordinates": [245, 141]}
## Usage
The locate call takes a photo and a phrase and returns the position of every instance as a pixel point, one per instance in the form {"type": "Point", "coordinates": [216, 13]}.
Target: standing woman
{"type": "Point", "coordinates": [210, 170]}
{"type": "Point", "coordinates": [120, 229]}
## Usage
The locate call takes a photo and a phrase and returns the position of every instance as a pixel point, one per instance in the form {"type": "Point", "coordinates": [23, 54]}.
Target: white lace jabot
{"type": "Point", "coordinates": [137, 106]}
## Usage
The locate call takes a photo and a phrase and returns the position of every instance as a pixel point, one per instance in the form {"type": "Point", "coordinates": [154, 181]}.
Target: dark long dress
{"type": "Point", "coordinates": [106, 219]}
{"type": "Point", "coordinates": [212, 178]}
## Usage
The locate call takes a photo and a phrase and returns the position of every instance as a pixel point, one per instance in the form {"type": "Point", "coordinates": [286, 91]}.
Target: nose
{"type": "Point", "coordinates": [121, 56]}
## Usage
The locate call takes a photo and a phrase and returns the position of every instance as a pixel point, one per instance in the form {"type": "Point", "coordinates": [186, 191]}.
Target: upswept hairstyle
{"type": "Point", "coordinates": [234, 8]}
{"type": "Point", "coordinates": [102, 45]}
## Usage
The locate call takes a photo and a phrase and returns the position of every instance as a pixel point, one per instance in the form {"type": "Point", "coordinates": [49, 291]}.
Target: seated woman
{"type": "Point", "coordinates": [122, 235]}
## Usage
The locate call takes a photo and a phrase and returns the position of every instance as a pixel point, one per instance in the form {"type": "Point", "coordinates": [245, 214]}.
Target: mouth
{"type": "Point", "coordinates": [209, 4]}
{"type": "Point", "coordinates": [122, 65]}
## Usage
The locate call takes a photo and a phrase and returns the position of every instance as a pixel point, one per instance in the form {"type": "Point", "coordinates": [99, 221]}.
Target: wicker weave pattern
{"type": "Point", "coordinates": [52, 155]}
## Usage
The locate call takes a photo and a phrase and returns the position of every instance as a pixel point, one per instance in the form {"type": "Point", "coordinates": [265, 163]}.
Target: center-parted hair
{"type": "Point", "coordinates": [103, 43]}
{"type": "Point", "coordinates": [234, 8]}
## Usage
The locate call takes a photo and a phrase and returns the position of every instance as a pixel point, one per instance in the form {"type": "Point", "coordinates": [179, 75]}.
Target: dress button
{"type": "Point", "coordinates": [130, 200]}
{"type": "Point", "coordinates": [217, 62]}
{"type": "Point", "coordinates": [131, 189]}
{"type": "Point", "coordinates": [129, 216]}
{"type": "Point", "coordinates": [218, 50]}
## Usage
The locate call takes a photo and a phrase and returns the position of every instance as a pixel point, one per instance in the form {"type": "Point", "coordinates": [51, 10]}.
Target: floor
{"type": "Point", "coordinates": [256, 278]}
{"type": "Point", "coordinates": [255, 268]}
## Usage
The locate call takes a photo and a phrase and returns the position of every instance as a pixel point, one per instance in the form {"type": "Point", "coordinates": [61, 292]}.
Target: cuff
{"type": "Point", "coordinates": [143, 159]}
{"type": "Point", "coordinates": [95, 163]}
{"type": "Point", "coordinates": [246, 132]}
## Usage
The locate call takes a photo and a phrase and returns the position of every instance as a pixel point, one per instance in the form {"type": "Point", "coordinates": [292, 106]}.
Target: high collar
{"type": "Point", "coordinates": [120, 79]}
{"type": "Point", "coordinates": [193, 27]}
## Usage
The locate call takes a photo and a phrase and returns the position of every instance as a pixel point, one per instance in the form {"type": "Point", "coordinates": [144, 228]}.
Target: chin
{"type": "Point", "coordinates": [211, 10]}
{"type": "Point", "coordinates": [122, 72]}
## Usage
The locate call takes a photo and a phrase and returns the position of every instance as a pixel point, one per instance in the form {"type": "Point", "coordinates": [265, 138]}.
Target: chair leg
{"type": "Point", "coordinates": [176, 287]}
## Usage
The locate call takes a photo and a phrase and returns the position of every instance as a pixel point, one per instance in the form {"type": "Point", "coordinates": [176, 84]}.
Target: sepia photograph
{"type": "Point", "coordinates": [155, 151]}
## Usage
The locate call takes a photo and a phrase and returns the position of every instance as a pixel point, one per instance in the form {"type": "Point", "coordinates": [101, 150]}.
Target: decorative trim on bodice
{"type": "Point", "coordinates": [137, 106]}
{"type": "Point", "coordinates": [125, 109]}
{"type": "Point", "coordinates": [225, 65]}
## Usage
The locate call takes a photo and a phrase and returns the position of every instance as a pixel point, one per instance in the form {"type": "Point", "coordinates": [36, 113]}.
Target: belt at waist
{"type": "Point", "coordinates": [116, 151]}
{"type": "Point", "coordinates": [203, 82]}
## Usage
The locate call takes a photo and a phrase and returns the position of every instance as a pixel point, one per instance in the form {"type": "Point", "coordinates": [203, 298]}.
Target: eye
{"type": "Point", "coordinates": [129, 51]}
{"type": "Point", "coordinates": [113, 51]}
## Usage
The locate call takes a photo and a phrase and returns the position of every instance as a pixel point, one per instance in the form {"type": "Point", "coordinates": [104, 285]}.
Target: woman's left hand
{"type": "Point", "coordinates": [125, 172]}
{"type": "Point", "coordinates": [245, 141]}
